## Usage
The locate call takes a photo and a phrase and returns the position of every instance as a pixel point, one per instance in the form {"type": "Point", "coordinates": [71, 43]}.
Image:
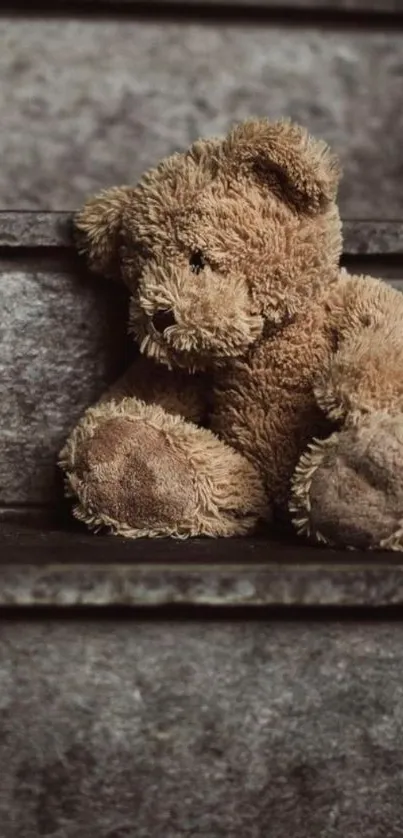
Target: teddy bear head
{"type": "Point", "coordinates": [221, 244]}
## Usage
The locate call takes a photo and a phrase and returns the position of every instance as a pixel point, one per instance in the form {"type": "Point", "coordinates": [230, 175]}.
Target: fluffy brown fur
{"type": "Point", "coordinates": [278, 387]}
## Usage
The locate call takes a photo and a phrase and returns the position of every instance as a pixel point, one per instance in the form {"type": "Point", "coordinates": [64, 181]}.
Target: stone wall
{"type": "Point", "coordinates": [93, 101]}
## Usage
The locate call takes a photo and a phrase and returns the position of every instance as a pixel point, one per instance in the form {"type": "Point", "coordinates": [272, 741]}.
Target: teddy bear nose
{"type": "Point", "coordinates": [163, 319]}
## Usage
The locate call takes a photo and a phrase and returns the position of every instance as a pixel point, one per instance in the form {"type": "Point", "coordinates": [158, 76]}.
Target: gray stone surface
{"type": "Point", "coordinates": [129, 729]}
{"type": "Point", "coordinates": [373, 238]}
{"type": "Point", "coordinates": [90, 103]}
{"type": "Point", "coordinates": [64, 570]}
{"type": "Point", "coordinates": [61, 342]}
{"type": "Point", "coordinates": [35, 229]}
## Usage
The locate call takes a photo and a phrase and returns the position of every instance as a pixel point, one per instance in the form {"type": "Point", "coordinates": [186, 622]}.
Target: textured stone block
{"type": "Point", "coordinates": [26, 229]}
{"type": "Point", "coordinates": [61, 343]}
{"type": "Point", "coordinates": [132, 729]}
{"type": "Point", "coordinates": [58, 569]}
{"type": "Point", "coordinates": [91, 103]}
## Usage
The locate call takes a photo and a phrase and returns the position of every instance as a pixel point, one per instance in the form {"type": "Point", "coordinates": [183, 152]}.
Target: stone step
{"type": "Point", "coordinates": [41, 567]}
{"type": "Point", "coordinates": [131, 725]}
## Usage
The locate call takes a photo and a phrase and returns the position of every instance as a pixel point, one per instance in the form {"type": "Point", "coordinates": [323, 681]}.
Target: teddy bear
{"type": "Point", "coordinates": [269, 383]}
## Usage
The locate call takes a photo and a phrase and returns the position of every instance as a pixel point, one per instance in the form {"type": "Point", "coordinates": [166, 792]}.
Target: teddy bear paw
{"type": "Point", "coordinates": [128, 478]}
{"type": "Point", "coordinates": [348, 489]}
{"type": "Point", "coordinates": [140, 471]}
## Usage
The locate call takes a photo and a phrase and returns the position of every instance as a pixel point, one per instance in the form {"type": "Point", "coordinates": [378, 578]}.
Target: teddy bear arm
{"type": "Point", "coordinates": [365, 372]}
{"type": "Point", "coordinates": [348, 488]}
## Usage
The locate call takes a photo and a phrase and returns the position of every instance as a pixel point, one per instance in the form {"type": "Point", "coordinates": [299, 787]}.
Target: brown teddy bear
{"type": "Point", "coordinates": [271, 382]}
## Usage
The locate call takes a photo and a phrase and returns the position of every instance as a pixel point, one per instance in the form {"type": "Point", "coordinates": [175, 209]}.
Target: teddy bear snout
{"type": "Point", "coordinates": [163, 319]}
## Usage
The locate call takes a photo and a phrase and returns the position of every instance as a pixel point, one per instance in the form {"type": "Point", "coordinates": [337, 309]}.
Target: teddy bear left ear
{"type": "Point", "coordinates": [97, 229]}
{"type": "Point", "coordinates": [283, 157]}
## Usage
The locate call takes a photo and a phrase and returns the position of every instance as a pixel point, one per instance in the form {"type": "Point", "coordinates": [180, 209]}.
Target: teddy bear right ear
{"type": "Point", "coordinates": [97, 229]}
{"type": "Point", "coordinates": [284, 159]}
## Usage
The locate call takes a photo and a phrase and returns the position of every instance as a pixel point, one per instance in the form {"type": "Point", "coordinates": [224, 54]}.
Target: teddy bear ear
{"type": "Point", "coordinates": [283, 157]}
{"type": "Point", "coordinates": [97, 228]}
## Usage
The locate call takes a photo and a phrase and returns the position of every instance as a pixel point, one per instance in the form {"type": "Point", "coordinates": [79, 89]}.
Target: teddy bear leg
{"type": "Point", "coordinates": [348, 489]}
{"type": "Point", "coordinates": [140, 471]}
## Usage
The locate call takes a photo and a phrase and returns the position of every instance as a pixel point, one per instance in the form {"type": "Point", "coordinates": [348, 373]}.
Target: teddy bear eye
{"type": "Point", "coordinates": [197, 262]}
{"type": "Point", "coordinates": [142, 250]}
{"type": "Point", "coordinates": [134, 250]}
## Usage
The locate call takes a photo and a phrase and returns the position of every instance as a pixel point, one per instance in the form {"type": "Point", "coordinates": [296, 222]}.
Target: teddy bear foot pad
{"type": "Point", "coordinates": [139, 471]}
{"type": "Point", "coordinates": [348, 489]}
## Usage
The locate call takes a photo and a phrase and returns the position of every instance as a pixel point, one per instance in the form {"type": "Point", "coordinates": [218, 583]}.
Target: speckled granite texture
{"type": "Point", "coordinates": [41, 567]}
{"type": "Point", "coordinates": [86, 104]}
{"type": "Point", "coordinates": [202, 730]}
{"type": "Point", "coordinates": [62, 339]}
{"type": "Point", "coordinates": [68, 586]}
{"type": "Point", "coordinates": [55, 229]}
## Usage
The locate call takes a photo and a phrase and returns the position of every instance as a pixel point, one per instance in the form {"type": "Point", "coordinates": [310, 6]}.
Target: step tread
{"type": "Point", "coordinates": [40, 567]}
